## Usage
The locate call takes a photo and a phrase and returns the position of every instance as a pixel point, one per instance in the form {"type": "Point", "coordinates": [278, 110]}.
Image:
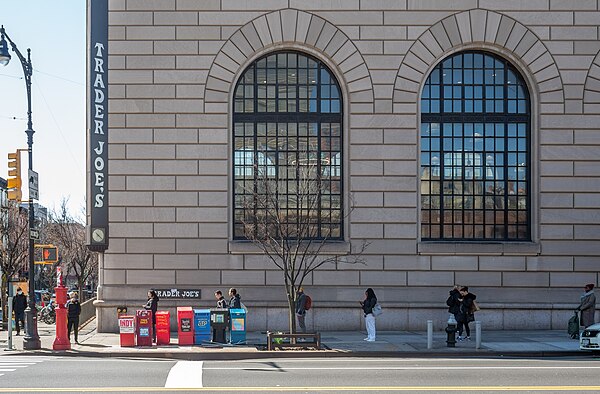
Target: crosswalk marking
{"type": "Point", "coordinates": [185, 374]}
{"type": "Point", "coordinates": [12, 363]}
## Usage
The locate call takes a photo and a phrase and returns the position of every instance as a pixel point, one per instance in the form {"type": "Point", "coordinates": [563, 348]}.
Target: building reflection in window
{"type": "Point", "coordinates": [288, 128]}
{"type": "Point", "coordinates": [475, 133]}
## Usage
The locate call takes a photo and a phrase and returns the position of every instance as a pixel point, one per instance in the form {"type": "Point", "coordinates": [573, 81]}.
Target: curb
{"type": "Point", "coordinates": [231, 356]}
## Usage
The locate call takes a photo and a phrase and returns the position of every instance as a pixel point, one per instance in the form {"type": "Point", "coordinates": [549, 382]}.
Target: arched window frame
{"type": "Point", "coordinates": [320, 116]}
{"type": "Point", "coordinates": [447, 112]}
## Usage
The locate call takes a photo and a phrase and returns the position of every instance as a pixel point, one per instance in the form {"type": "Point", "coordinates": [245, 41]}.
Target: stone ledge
{"type": "Point", "coordinates": [330, 248]}
{"type": "Point", "coordinates": [473, 248]}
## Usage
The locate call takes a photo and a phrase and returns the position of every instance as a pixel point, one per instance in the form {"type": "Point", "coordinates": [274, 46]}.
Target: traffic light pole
{"type": "Point", "coordinates": [31, 340]}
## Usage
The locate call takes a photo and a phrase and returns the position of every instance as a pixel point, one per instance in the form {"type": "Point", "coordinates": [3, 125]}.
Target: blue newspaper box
{"type": "Point", "coordinates": [237, 318]}
{"type": "Point", "coordinates": [201, 326]}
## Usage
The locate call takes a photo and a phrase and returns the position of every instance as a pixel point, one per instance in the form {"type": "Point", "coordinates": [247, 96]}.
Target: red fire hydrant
{"type": "Point", "coordinates": [61, 341]}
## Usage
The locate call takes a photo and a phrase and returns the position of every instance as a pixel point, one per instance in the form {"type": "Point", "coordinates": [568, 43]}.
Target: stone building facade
{"type": "Point", "coordinates": [173, 70]}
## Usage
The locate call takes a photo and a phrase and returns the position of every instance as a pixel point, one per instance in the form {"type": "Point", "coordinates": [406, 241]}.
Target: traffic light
{"type": "Point", "coordinates": [50, 254]}
{"type": "Point", "coordinates": [14, 174]}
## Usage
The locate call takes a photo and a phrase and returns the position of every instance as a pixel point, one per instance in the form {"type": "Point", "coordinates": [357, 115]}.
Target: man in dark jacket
{"type": "Point", "coordinates": [19, 305]}
{"type": "Point", "coordinates": [235, 301]}
{"type": "Point", "coordinates": [221, 301]}
{"type": "Point", "coordinates": [73, 312]}
{"type": "Point", "coordinates": [301, 309]}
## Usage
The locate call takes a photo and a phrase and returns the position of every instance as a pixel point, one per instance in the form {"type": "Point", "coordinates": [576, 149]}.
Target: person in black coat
{"type": "Point", "coordinates": [73, 312]}
{"type": "Point", "coordinates": [19, 305]}
{"type": "Point", "coordinates": [367, 306]}
{"type": "Point", "coordinates": [235, 302]}
{"type": "Point", "coordinates": [152, 305]}
{"type": "Point", "coordinates": [453, 301]}
{"type": "Point", "coordinates": [466, 314]}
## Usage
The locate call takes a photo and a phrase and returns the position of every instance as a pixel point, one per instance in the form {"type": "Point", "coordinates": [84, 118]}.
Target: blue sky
{"type": "Point", "coordinates": [55, 30]}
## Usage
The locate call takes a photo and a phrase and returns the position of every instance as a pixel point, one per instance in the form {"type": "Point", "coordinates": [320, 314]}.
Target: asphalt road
{"type": "Point", "coordinates": [77, 374]}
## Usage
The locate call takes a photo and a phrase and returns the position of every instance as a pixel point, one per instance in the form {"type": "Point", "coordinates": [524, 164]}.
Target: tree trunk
{"type": "Point", "coordinates": [291, 310]}
{"type": "Point", "coordinates": [80, 287]}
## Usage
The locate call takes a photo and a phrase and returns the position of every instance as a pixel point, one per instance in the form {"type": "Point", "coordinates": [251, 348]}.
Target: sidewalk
{"type": "Point", "coordinates": [544, 343]}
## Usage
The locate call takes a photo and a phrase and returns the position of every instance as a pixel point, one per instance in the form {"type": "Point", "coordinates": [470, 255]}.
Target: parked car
{"type": "Point", "coordinates": [590, 338]}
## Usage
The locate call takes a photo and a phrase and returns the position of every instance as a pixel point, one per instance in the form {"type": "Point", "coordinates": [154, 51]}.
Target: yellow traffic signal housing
{"type": "Point", "coordinates": [14, 173]}
{"type": "Point", "coordinates": [14, 183]}
{"type": "Point", "coordinates": [50, 254]}
{"type": "Point", "coordinates": [15, 195]}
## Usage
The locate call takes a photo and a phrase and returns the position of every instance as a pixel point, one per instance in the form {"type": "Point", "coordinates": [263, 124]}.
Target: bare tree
{"type": "Point", "coordinates": [68, 234]}
{"type": "Point", "coordinates": [287, 227]}
{"type": "Point", "coordinates": [14, 247]}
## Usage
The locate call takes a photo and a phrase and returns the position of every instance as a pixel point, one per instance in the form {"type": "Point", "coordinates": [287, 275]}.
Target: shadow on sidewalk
{"type": "Point", "coordinates": [93, 345]}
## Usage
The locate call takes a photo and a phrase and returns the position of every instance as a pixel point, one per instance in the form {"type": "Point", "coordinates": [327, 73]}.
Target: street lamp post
{"type": "Point", "coordinates": [31, 340]}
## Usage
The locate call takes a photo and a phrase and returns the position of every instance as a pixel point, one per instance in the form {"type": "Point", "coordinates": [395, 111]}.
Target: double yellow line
{"type": "Point", "coordinates": [304, 389]}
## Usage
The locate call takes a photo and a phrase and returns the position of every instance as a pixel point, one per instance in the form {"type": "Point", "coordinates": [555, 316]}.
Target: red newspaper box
{"type": "Point", "coordinates": [163, 327]}
{"type": "Point", "coordinates": [185, 325]}
{"type": "Point", "coordinates": [127, 330]}
{"type": "Point", "coordinates": [143, 327]}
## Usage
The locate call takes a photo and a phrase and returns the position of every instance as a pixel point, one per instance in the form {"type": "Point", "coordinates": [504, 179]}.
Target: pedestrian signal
{"type": "Point", "coordinates": [50, 254]}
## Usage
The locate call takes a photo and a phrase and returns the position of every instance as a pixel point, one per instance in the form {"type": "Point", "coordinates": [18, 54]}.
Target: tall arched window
{"type": "Point", "coordinates": [475, 151]}
{"type": "Point", "coordinates": [287, 163]}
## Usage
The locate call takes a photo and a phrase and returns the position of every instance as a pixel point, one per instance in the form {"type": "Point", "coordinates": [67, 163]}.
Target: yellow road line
{"type": "Point", "coordinates": [310, 389]}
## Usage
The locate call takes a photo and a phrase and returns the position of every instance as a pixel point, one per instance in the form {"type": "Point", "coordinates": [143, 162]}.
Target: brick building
{"type": "Point", "coordinates": [459, 138]}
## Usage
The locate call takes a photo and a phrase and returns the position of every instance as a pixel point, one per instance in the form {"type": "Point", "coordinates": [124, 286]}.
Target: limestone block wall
{"type": "Point", "coordinates": [173, 66]}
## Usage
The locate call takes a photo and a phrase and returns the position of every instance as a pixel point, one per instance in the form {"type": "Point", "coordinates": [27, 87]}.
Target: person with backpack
{"type": "Point", "coordinates": [466, 313]}
{"type": "Point", "coordinates": [303, 304]}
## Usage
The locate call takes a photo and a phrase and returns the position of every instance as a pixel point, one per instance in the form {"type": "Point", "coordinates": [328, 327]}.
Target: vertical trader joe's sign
{"type": "Point", "coordinates": [97, 125]}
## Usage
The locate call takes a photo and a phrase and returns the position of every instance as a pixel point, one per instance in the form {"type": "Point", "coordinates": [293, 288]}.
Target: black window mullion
{"type": "Point", "coordinates": [282, 116]}
{"type": "Point", "coordinates": [492, 209]}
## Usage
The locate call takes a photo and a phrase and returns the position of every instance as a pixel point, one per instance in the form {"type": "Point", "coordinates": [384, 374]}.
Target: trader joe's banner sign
{"type": "Point", "coordinates": [178, 294]}
{"type": "Point", "coordinates": [97, 125]}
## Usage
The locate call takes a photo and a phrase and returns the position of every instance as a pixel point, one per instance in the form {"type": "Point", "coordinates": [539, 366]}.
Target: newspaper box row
{"type": "Point", "coordinates": [194, 326]}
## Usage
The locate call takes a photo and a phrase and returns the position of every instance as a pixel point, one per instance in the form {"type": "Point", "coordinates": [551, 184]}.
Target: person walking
{"type": "Point", "coordinates": [235, 301]}
{"type": "Point", "coordinates": [152, 305]}
{"type": "Point", "coordinates": [301, 309]}
{"type": "Point", "coordinates": [221, 301]}
{"type": "Point", "coordinates": [465, 314]}
{"type": "Point", "coordinates": [587, 306]}
{"type": "Point", "coordinates": [367, 306]}
{"type": "Point", "coordinates": [73, 312]}
{"type": "Point", "coordinates": [19, 304]}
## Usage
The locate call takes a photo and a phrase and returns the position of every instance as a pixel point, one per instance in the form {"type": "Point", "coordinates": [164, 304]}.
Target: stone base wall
{"type": "Point", "coordinates": [349, 318]}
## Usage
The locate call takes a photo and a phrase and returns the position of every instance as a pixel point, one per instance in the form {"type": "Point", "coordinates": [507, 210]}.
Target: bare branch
{"type": "Point", "coordinates": [14, 246]}
{"type": "Point", "coordinates": [65, 231]}
{"type": "Point", "coordinates": [290, 232]}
